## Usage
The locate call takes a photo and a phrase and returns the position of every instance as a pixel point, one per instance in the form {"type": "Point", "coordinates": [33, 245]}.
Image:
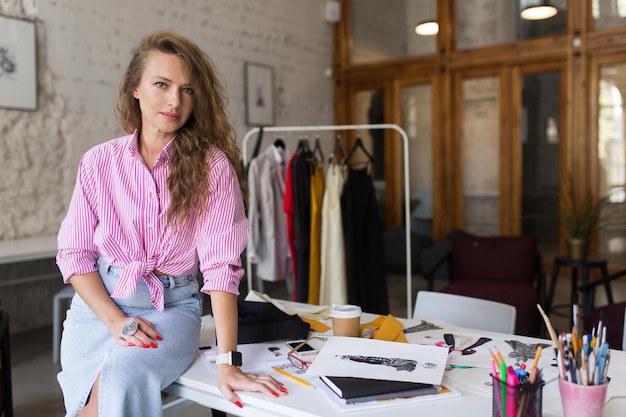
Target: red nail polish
{"type": "Point", "coordinates": [143, 345]}
{"type": "Point", "coordinates": [159, 338]}
{"type": "Point", "coordinates": [131, 344]}
{"type": "Point", "coordinates": [274, 395]}
{"type": "Point", "coordinates": [238, 404]}
{"type": "Point", "coordinates": [283, 389]}
{"type": "Point", "coordinates": [154, 345]}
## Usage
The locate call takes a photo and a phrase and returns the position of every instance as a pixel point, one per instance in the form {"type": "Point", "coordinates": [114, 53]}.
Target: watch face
{"type": "Point", "coordinates": [236, 358]}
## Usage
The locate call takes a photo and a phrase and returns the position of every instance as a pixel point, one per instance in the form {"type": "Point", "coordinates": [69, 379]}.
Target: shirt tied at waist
{"type": "Point", "coordinates": [130, 277]}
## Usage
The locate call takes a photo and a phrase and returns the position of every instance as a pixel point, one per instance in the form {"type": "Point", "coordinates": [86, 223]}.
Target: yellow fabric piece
{"type": "Point", "coordinates": [316, 325]}
{"type": "Point", "coordinates": [385, 328]}
{"type": "Point", "coordinates": [317, 197]}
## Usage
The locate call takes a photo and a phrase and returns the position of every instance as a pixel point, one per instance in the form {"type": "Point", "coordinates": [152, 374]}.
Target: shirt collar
{"type": "Point", "coordinates": [133, 149]}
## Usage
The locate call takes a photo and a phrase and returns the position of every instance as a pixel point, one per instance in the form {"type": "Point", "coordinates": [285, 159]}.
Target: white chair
{"type": "Point", "coordinates": [465, 311]}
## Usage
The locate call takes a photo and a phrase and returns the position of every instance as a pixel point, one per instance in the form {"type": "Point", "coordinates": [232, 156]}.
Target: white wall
{"type": "Point", "coordinates": [83, 48]}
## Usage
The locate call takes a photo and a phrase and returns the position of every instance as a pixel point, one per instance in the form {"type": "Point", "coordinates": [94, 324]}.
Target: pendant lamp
{"type": "Point", "coordinates": [539, 11]}
{"type": "Point", "coordinates": [427, 28]}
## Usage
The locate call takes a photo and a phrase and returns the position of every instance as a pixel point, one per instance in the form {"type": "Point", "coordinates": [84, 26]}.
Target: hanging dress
{"type": "Point", "coordinates": [301, 183]}
{"type": "Point", "coordinates": [332, 258]}
{"type": "Point", "coordinates": [267, 240]}
{"type": "Point", "coordinates": [365, 269]}
{"type": "Point", "coordinates": [317, 197]}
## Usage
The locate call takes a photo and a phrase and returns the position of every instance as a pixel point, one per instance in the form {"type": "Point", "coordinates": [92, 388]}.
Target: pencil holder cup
{"type": "Point", "coordinates": [582, 400]}
{"type": "Point", "coordinates": [521, 400]}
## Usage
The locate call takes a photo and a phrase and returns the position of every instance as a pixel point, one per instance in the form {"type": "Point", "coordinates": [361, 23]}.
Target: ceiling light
{"type": "Point", "coordinates": [427, 28]}
{"type": "Point", "coordinates": [538, 12]}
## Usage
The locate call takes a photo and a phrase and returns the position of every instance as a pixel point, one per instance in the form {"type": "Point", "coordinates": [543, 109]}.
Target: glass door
{"type": "Point", "coordinates": [416, 108]}
{"type": "Point", "coordinates": [480, 149]}
{"type": "Point", "coordinates": [611, 157]}
{"type": "Point", "coordinates": [509, 148]}
{"type": "Point", "coordinates": [541, 147]}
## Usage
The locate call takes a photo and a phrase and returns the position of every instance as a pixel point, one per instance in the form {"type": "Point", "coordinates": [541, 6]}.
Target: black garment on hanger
{"type": "Point", "coordinates": [301, 182]}
{"type": "Point", "coordinates": [358, 145]}
{"type": "Point", "coordinates": [363, 239]}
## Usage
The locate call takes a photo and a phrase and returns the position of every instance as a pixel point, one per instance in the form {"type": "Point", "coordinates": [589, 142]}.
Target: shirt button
{"type": "Point", "coordinates": [150, 225]}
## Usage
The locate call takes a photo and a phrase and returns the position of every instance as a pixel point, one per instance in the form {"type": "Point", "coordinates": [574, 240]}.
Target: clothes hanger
{"type": "Point", "coordinates": [317, 150]}
{"type": "Point", "coordinates": [335, 155]}
{"type": "Point", "coordinates": [303, 145]}
{"type": "Point", "coordinates": [358, 145]}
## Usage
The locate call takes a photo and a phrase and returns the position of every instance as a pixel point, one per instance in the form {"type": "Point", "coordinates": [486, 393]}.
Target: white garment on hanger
{"type": "Point", "coordinates": [333, 286]}
{"type": "Point", "coordinates": [267, 242]}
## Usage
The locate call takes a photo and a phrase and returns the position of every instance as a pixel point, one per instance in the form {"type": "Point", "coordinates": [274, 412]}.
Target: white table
{"type": "Point", "coordinates": [199, 385]}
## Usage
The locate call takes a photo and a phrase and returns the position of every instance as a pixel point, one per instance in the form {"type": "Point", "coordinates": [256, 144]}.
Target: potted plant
{"type": "Point", "coordinates": [582, 215]}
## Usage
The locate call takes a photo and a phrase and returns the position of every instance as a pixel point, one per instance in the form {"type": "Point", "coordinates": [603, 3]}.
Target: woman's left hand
{"type": "Point", "coordinates": [231, 378]}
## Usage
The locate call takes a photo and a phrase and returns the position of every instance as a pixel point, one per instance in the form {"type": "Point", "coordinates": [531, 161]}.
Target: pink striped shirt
{"type": "Point", "coordinates": [119, 212]}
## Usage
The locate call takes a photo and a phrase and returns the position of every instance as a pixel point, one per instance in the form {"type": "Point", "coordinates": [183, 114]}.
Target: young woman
{"type": "Point", "coordinates": [148, 209]}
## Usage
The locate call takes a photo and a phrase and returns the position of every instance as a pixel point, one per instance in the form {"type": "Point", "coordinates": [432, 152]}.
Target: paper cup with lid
{"type": "Point", "coordinates": [346, 319]}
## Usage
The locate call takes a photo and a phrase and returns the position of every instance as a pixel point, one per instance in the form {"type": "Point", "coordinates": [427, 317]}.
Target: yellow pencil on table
{"type": "Point", "coordinates": [295, 378]}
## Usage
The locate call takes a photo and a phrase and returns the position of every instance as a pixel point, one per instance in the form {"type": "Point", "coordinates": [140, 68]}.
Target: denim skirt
{"type": "Point", "coordinates": [131, 378]}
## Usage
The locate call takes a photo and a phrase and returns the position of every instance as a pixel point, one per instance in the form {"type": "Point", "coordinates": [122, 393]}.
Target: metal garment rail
{"type": "Point", "coordinates": [407, 213]}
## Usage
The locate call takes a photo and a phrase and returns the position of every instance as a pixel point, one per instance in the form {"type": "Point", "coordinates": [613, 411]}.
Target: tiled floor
{"type": "Point", "coordinates": [36, 392]}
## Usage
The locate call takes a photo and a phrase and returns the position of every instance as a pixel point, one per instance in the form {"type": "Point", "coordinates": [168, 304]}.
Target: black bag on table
{"type": "Point", "coordinates": [263, 322]}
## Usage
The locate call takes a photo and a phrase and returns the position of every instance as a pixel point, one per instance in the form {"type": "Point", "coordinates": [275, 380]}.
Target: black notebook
{"type": "Point", "coordinates": [351, 389]}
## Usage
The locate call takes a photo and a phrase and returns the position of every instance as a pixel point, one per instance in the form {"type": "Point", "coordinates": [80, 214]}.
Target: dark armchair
{"type": "Point", "coordinates": [612, 315]}
{"type": "Point", "coordinates": [505, 269]}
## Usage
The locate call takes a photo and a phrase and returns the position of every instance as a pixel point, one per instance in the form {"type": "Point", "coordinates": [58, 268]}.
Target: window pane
{"type": "Point", "coordinates": [417, 122]}
{"type": "Point", "coordinates": [481, 152]}
{"type": "Point", "coordinates": [608, 13]}
{"type": "Point", "coordinates": [612, 155]}
{"type": "Point", "coordinates": [540, 158]}
{"type": "Point", "coordinates": [491, 22]}
{"type": "Point", "coordinates": [383, 32]}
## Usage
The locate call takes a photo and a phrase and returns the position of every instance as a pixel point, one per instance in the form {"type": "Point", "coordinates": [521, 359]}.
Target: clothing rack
{"type": "Point", "coordinates": [405, 142]}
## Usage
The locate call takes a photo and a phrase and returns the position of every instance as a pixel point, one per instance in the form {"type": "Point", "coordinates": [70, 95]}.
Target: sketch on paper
{"type": "Point", "coordinates": [18, 63]}
{"type": "Point", "coordinates": [422, 327]}
{"type": "Point", "coordinates": [358, 357]}
{"type": "Point", "coordinates": [399, 364]}
{"type": "Point", "coordinates": [259, 88]}
{"type": "Point", "coordinates": [8, 64]}
{"type": "Point", "coordinates": [523, 352]}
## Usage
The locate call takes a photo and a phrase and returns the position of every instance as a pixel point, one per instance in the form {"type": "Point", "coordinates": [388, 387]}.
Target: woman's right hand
{"type": "Point", "coordinates": [144, 337]}
{"type": "Point", "coordinates": [91, 289]}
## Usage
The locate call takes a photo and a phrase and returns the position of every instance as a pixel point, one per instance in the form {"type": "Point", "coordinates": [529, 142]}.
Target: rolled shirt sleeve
{"type": "Point", "coordinates": [223, 230]}
{"type": "Point", "coordinates": [77, 252]}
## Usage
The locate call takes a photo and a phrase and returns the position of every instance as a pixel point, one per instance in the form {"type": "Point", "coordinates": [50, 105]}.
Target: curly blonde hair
{"type": "Point", "coordinates": [188, 182]}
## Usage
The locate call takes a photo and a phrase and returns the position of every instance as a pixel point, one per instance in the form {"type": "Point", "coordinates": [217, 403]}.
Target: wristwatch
{"type": "Point", "coordinates": [230, 358]}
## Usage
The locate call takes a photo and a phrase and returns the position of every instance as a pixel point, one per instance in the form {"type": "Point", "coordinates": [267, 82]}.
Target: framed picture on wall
{"type": "Point", "coordinates": [18, 63]}
{"type": "Point", "coordinates": [259, 88]}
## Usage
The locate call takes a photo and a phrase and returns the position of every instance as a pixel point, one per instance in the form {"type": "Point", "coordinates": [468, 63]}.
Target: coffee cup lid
{"type": "Point", "coordinates": [345, 311]}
